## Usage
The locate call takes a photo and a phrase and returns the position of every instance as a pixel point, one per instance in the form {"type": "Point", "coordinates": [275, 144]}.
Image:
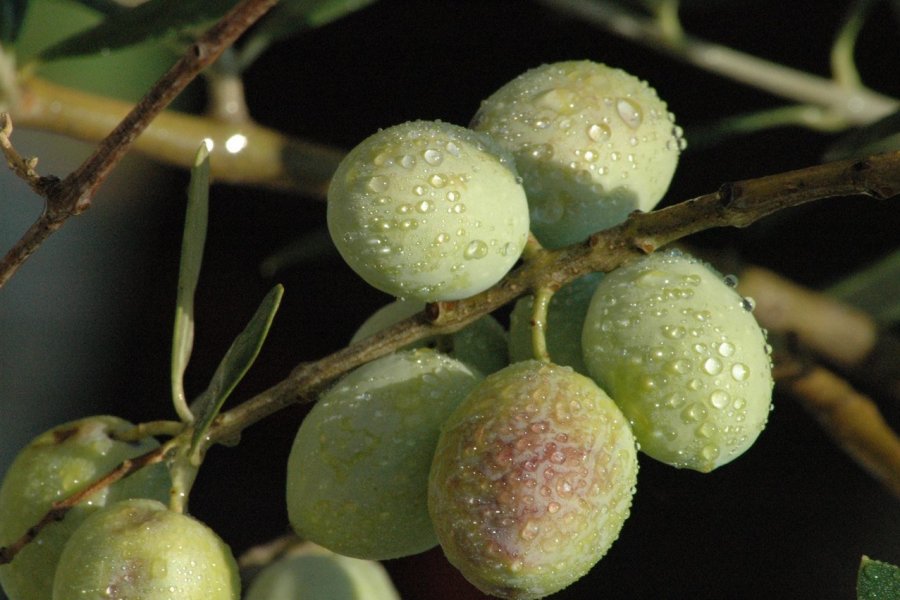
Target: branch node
{"type": "Point", "coordinates": [727, 193]}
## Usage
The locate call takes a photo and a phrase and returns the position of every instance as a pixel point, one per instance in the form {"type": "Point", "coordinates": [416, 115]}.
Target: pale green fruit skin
{"type": "Point", "coordinates": [565, 320]}
{"type": "Point", "coordinates": [532, 480]}
{"type": "Point", "coordinates": [358, 470]}
{"type": "Point", "coordinates": [684, 359]}
{"type": "Point", "coordinates": [322, 575]}
{"type": "Point", "coordinates": [482, 345]}
{"type": "Point", "coordinates": [591, 142]}
{"type": "Point", "coordinates": [140, 549]}
{"type": "Point", "coordinates": [53, 466]}
{"type": "Point", "coordinates": [428, 211]}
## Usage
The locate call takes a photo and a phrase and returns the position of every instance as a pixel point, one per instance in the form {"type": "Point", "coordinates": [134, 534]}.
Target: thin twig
{"type": "Point", "coordinates": [74, 194]}
{"type": "Point", "coordinates": [24, 168]}
{"type": "Point", "coordinates": [852, 105]}
{"type": "Point", "coordinates": [59, 509]}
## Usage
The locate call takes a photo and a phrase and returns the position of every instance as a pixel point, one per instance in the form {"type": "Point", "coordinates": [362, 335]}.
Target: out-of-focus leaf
{"type": "Point", "coordinates": [192, 244]}
{"type": "Point", "coordinates": [106, 7]}
{"type": "Point", "coordinates": [151, 20]}
{"type": "Point", "coordinates": [874, 290]}
{"type": "Point", "coordinates": [290, 17]}
{"type": "Point", "coordinates": [311, 248]}
{"type": "Point", "coordinates": [12, 14]}
{"type": "Point", "coordinates": [234, 365]}
{"type": "Point", "coordinates": [881, 136]}
{"type": "Point", "coordinates": [877, 580]}
{"type": "Point", "coordinates": [691, 5]}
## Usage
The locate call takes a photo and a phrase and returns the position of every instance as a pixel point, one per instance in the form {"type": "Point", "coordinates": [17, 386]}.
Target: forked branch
{"type": "Point", "coordinates": [73, 195]}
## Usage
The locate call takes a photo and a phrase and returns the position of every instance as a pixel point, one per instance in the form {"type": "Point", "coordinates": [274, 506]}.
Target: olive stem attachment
{"type": "Point", "coordinates": [539, 311]}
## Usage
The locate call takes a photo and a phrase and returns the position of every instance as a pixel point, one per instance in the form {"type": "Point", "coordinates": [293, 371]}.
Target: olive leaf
{"type": "Point", "coordinates": [193, 240]}
{"type": "Point", "coordinates": [877, 580]}
{"type": "Point", "coordinates": [290, 17]}
{"type": "Point", "coordinates": [12, 15]}
{"type": "Point", "coordinates": [874, 289]}
{"type": "Point", "coordinates": [234, 365]}
{"type": "Point", "coordinates": [881, 136]}
{"type": "Point", "coordinates": [106, 7]}
{"type": "Point", "coordinates": [150, 20]}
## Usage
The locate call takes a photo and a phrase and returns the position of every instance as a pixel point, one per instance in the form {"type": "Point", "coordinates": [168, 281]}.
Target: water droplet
{"type": "Point", "coordinates": [424, 206]}
{"type": "Point", "coordinates": [378, 183]}
{"type": "Point", "coordinates": [432, 157]}
{"type": "Point", "coordinates": [476, 249]}
{"type": "Point", "coordinates": [452, 148]}
{"type": "Point", "coordinates": [541, 151]}
{"type": "Point", "coordinates": [629, 111]}
{"type": "Point", "coordinates": [674, 401]}
{"type": "Point", "coordinates": [706, 430]}
{"type": "Point", "coordinates": [437, 181]}
{"type": "Point", "coordinates": [720, 399]}
{"type": "Point", "coordinates": [712, 366]}
{"type": "Point", "coordinates": [553, 507]}
{"type": "Point", "coordinates": [408, 161]}
{"type": "Point", "coordinates": [694, 413]}
{"type": "Point", "coordinates": [530, 530]}
{"type": "Point", "coordinates": [748, 303]}
{"type": "Point", "coordinates": [459, 209]}
{"type": "Point", "coordinates": [679, 366]}
{"type": "Point", "coordinates": [674, 332]}
{"type": "Point", "coordinates": [725, 349]}
{"type": "Point", "coordinates": [452, 196]}
{"type": "Point", "coordinates": [731, 280]}
{"type": "Point", "coordinates": [419, 190]}
{"type": "Point", "coordinates": [599, 132]}
{"type": "Point", "coordinates": [740, 371]}
{"type": "Point", "coordinates": [710, 452]}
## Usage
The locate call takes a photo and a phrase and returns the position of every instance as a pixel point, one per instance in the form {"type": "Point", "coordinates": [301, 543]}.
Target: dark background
{"type": "Point", "coordinates": [790, 519]}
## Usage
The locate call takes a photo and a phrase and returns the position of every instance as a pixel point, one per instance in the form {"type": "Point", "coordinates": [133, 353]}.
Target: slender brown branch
{"type": "Point", "coordinates": [83, 182]}
{"type": "Point", "coordinates": [61, 507]}
{"type": "Point", "coordinates": [736, 205]}
{"type": "Point", "coordinates": [849, 417]}
{"type": "Point", "coordinates": [73, 195]}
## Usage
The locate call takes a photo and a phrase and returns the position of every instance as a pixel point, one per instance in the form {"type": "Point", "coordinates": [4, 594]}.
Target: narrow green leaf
{"type": "Point", "coordinates": [290, 17]}
{"type": "Point", "coordinates": [189, 273]}
{"type": "Point", "coordinates": [234, 365]}
{"type": "Point", "coordinates": [881, 136]}
{"type": "Point", "coordinates": [151, 20]}
{"type": "Point", "coordinates": [12, 15]}
{"type": "Point", "coordinates": [877, 580]}
{"type": "Point", "coordinates": [106, 7]}
{"type": "Point", "coordinates": [874, 289]}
